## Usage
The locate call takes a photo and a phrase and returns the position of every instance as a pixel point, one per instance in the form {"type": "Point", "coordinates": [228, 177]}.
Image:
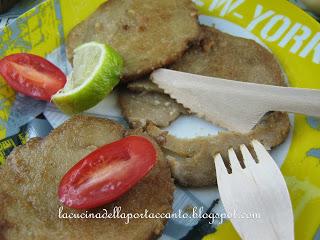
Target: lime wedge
{"type": "Point", "coordinates": [96, 71]}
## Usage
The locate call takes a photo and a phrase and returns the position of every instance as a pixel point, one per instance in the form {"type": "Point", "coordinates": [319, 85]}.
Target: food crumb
{"type": "Point", "coordinates": [125, 27]}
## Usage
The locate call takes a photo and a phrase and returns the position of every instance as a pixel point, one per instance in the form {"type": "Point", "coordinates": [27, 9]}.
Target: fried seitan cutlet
{"type": "Point", "coordinates": [149, 106]}
{"type": "Point", "coordinates": [145, 101]}
{"type": "Point", "coordinates": [192, 160]}
{"type": "Point", "coordinates": [147, 33]}
{"type": "Point", "coordinates": [225, 56]}
{"type": "Point", "coordinates": [31, 175]}
{"type": "Point", "coordinates": [219, 55]}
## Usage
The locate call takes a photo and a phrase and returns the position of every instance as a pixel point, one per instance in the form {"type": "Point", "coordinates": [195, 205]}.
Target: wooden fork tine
{"type": "Point", "coordinates": [234, 161]}
{"type": "Point", "coordinates": [247, 157]}
{"type": "Point", "coordinates": [262, 153]}
{"type": "Point", "coordinates": [220, 166]}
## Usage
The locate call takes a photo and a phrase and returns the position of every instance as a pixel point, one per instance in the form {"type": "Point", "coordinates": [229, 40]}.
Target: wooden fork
{"type": "Point", "coordinates": [256, 197]}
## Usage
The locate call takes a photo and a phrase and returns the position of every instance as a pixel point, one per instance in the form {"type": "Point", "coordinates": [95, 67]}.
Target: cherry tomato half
{"type": "Point", "coordinates": [107, 173]}
{"type": "Point", "coordinates": [32, 75]}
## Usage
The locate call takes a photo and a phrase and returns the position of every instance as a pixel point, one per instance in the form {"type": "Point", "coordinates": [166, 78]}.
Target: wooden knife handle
{"type": "Point", "coordinates": [295, 100]}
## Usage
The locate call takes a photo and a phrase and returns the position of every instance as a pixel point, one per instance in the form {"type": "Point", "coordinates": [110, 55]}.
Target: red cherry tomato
{"type": "Point", "coordinates": [32, 75]}
{"type": "Point", "coordinates": [107, 173]}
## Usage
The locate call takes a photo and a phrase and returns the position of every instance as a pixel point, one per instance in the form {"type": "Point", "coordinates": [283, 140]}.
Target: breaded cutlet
{"type": "Point", "coordinates": [31, 175]}
{"type": "Point", "coordinates": [148, 34]}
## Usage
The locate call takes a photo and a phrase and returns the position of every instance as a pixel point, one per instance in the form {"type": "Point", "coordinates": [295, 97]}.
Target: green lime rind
{"type": "Point", "coordinates": [103, 82]}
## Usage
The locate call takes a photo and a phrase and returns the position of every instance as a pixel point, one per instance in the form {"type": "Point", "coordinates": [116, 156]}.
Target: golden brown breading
{"type": "Point", "coordinates": [30, 178]}
{"type": "Point", "coordinates": [225, 56]}
{"type": "Point", "coordinates": [191, 160]}
{"type": "Point", "coordinates": [138, 108]}
{"type": "Point", "coordinates": [148, 34]}
{"type": "Point", "coordinates": [146, 102]}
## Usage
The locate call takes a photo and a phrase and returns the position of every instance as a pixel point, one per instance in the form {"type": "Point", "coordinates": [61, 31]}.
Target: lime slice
{"type": "Point", "coordinates": [96, 71]}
